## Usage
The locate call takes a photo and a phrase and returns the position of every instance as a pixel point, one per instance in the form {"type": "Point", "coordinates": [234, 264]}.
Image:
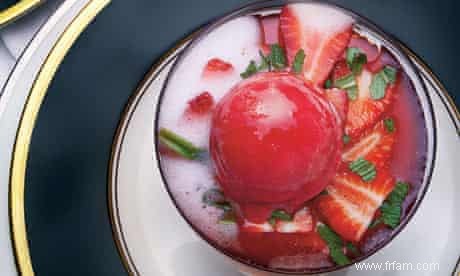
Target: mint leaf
{"type": "Point", "coordinates": [352, 93]}
{"type": "Point", "coordinates": [250, 70]}
{"type": "Point", "coordinates": [228, 217]}
{"type": "Point", "coordinates": [391, 214]}
{"type": "Point", "coordinates": [389, 124]}
{"type": "Point", "coordinates": [380, 82]}
{"type": "Point", "coordinates": [355, 60]}
{"type": "Point", "coordinates": [345, 82]}
{"type": "Point", "coordinates": [215, 197]}
{"type": "Point", "coordinates": [399, 193]}
{"type": "Point", "coordinates": [389, 74]}
{"type": "Point", "coordinates": [375, 223]}
{"type": "Point", "coordinates": [346, 139]}
{"type": "Point", "coordinates": [179, 144]}
{"type": "Point", "coordinates": [297, 65]}
{"type": "Point", "coordinates": [363, 168]}
{"type": "Point", "coordinates": [378, 87]}
{"type": "Point", "coordinates": [348, 83]}
{"type": "Point", "coordinates": [352, 248]}
{"type": "Point", "coordinates": [338, 256]}
{"type": "Point", "coordinates": [329, 236]}
{"type": "Point", "coordinates": [391, 208]}
{"type": "Point", "coordinates": [264, 64]}
{"type": "Point", "coordinates": [328, 84]}
{"type": "Point", "coordinates": [277, 57]}
{"type": "Point", "coordinates": [280, 215]}
{"type": "Point", "coordinates": [334, 243]}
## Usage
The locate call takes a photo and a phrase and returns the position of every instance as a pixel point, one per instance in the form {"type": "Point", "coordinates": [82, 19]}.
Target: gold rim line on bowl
{"type": "Point", "coordinates": [17, 10]}
{"type": "Point", "coordinates": [138, 93]}
{"type": "Point", "coordinates": [26, 126]}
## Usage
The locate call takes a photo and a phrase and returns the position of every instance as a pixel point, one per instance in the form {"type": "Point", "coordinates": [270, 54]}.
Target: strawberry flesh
{"type": "Point", "coordinates": [350, 204]}
{"type": "Point", "coordinates": [365, 112]}
{"type": "Point", "coordinates": [217, 67]}
{"type": "Point", "coordinates": [340, 70]}
{"type": "Point", "coordinates": [339, 100]}
{"type": "Point", "coordinates": [376, 147]}
{"type": "Point", "coordinates": [322, 32]}
{"type": "Point", "coordinates": [200, 105]}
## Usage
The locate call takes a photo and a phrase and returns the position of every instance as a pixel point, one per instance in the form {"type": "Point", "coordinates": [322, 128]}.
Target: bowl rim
{"type": "Point", "coordinates": [393, 44]}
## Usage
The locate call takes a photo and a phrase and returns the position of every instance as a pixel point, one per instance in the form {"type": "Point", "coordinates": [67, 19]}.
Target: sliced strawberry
{"type": "Point", "coordinates": [385, 58]}
{"type": "Point", "coordinates": [364, 112]}
{"type": "Point", "coordinates": [350, 204]}
{"type": "Point", "coordinates": [302, 222]}
{"type": "Point", "coordinates": [371, 51]}
{"type": "Point", "coordinates": [339, 99]}
{"type": "Point", "coordinates": [340, 70]}
{"type": "Point", "coordinates": [321, 31]}
{"type": "Point", "coordinates": [270, 29]}
{"type": "Point", "coordinates": [376, 147]}
{"type": "Point", "coordinates": [217, 66]}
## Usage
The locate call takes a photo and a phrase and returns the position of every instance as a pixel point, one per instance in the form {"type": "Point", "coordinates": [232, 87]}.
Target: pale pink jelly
{"type": "Point", "coordinates": [275, 142]}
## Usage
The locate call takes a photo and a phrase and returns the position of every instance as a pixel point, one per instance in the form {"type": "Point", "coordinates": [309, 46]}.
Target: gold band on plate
{"type": "Point", "coordinates": [26, 125]}
{"type": "Point", "coordinates": [17, 10]}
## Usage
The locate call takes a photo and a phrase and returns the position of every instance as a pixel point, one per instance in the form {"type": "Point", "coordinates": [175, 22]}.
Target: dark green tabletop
{"type": "Point", "coordinates": [7, 3]}
{"type": "Point", "coordinates": [66, 185]}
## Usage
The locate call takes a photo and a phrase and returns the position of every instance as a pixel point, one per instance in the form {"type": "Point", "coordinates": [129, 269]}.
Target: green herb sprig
{"type": "Point", "coordinates": [277, 57]}
{"type": "Point", "coordinates": [334, 243]}
{"type": "Point", "coordinates": [389, 124]}
{"type": "Point", "coordinates": [179, 144]}
{"type": "Point", "coordinates": [275, 60]}
{"type": "Point", "coordinates": [214, 197]}
{"type": "Point", "coordinates": [279, 215]}
{"type": "Point", "coordinates": [381, 80]}
{"type": "Point", "coordinates": [348, 83]}
{"type": "Point", "coordinates": [355, 60]}
{"type": "Point", "coordinates": [251, 69]}
{"type": "Point", "coordinates": [363, 168]}
{"type": "Point", "coordinates": [391, 209]}
{"type": "Point", "coordinates": [299, 59]}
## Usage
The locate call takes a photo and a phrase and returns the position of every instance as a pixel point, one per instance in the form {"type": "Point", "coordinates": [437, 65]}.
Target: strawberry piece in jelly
{"type": "Point", "coordinates": [200, 105]}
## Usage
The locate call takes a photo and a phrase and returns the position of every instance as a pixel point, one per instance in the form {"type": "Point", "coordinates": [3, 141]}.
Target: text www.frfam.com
{"type": "Point", "coordinates": [398, 266]}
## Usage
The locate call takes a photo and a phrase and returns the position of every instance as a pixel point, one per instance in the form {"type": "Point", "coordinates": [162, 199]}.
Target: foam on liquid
{"type": "Point", "coordinates": [237, 42]}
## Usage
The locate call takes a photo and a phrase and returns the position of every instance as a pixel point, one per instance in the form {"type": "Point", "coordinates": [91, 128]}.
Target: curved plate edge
{"type": "Point", "coordinates": [137, 95]}
{"type": "Point", "coordinates": [17, 10]}
{"type": "Point", "coordinates": [27, 122]}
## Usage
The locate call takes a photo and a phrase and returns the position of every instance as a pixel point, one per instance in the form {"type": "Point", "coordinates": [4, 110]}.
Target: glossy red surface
{"type": "Point", "coordinates": [275, 142]}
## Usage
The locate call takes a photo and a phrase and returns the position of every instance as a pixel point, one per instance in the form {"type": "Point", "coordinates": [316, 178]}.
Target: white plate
{"type": "Point", "coordinates": [6, 64]}
{"type": "Point", "coordinates": [12, 105]}
{"type": "Point", "coordinates": [153, 239]}
{"type": "Point", "coordinates": [16, 36]}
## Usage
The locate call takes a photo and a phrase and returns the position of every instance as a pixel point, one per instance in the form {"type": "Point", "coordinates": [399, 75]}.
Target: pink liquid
{"type": "Point", "coordinates": [294, 251]}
